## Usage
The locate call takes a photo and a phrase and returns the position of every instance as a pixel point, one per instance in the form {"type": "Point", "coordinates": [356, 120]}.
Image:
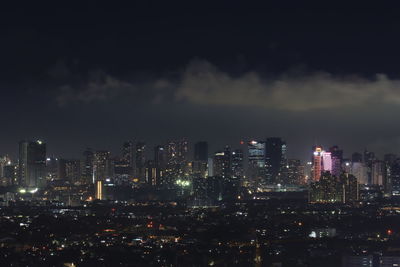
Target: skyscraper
{"type": "Point", "coordinates": [222, 163]}
{"type": "Point", "coordinates": [140, 161]}
{"type": "Point", "coordinates": [101, 165]}
{"type": "Point", "coordinates": [294, 172]}
{"type": "Point", "coordinates": [128, 152]}
{"type": "Point", "coordinates": [176, 152]}
{"type": "Point", "coordinates": [200, 164]}
{"type": "Point", "coordinates": [160, 164]}
{"type": "Point", "coordinates": [87, 167]}
{"type": "Point", "coordinates": [317, 163]}
{"type": "Point", "coordinates": [256, 161]}
{"type": "Point", "coordinates": [275, 159]}
{"type": "Point", "coordinates": [237, 165]}
{"type": "Point", "coordinates": [337, 158]}
{"type": "Point", "coordinates": [32, 163]}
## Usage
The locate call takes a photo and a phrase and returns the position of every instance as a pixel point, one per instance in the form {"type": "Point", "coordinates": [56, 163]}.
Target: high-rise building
{"type": "Point", "coordinates": [377, 172]}
{"type": "Point", "coordinates": [294, 172]}
{"type": "Point", "coordinates": [359, 171]}
{"type": "Point", "coordinates": [200, 163]}
{"type": "Point", "coordinates": [128, 157]}
{"type": "Point", "coordinates": [389, 160]}
{"type": "Point", "coordinates": [369, 157]}
{"type": "Point", "coordinates": [222, 163]}
{"type": "Point", "coordinates": [32, 163]}
{"type": "Point", "coordinates": [256, 161]}
{"type": "Point", "coordinates": [72, 170]}
{"type": "Point", "coordinates": [237, 165]}
{"type": "Point", "coordinates": [177, 160]}
{"type": "Point", "coordinates": [87, 175]}
{"type": "Point", "coordinates": [327, 161]}
{"type": "Point", "coordinates": [101, 165]}
{"type": "Point", "coordinates": [140, 161]}
{"type": "Point", "coordinates": [160, 163]}
{"type": "Point", "coordinates": [275, 160]}
{"type": "Point", "coordinates": [317, 163]}
{"type": "Point", "coordinates": [337, 158]}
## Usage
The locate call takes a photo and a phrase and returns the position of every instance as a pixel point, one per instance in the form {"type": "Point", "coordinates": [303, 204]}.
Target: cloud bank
{"type": "Point", "coordinates": [202, 83]}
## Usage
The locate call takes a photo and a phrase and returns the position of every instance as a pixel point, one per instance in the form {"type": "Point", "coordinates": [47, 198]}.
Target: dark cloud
{"type": "Point", "coordinates": [100, 87]}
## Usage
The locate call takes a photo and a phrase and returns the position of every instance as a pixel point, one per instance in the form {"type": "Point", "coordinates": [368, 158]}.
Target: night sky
{"type": "Point", "coordinates": [96, 74]}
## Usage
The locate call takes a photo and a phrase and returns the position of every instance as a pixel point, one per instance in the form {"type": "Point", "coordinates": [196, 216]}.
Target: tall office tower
{"type": "Point", "coordinates": [53, 169]}
{"type": "Point", "coordinates": [294, 172]}
{"type": "Point", "coordinates": [326, 161]}
{"type": "Point", "coordinates": [395, 177]}
{"type": "Point", "coordinates": [317, 163]}
{"type": "Point", "coordinates": [377, 171]}
{"type": "Point", "coordinates": [32, 163]}
{"type": "Point", "coordinates": [101, 165]}
{"type": "Point", "coordinates": [160, 162]}
{"type": "Point", "coordinates": [337, 158]}
{"type": "Point", "coordinates": [369, 157]}
{"type": "Point", "coordinates": [128, 157]}
{"type": "Point", "coordinates": [349, 186]}
{"type": "Point", "coordinates": [72, 170]}
{"type": "Point", "coordinates": [256, 161]}
{"type": "Point", "coordinates": [200, 163]}
{"type": "Point", "coordinates": [359, 171]}
{"type": "Point", "coordinates": [275, 160]}
{"type": "Point", "coordinates": [87, 175]}
{"type": "Point", "coordinates": [176, 161]}
{"type": "Point", "coordinates": [140, 161]}
{"type": "Point", "coordinates": [388, 160]}
{"type": "Point", "coordinates": [237, 165]}
{"type": "Point", "coordinates": [222, 164]}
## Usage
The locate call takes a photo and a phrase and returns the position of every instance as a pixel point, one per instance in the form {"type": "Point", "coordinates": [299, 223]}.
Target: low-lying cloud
{"type": "Point", "coordinates": [202, 83]}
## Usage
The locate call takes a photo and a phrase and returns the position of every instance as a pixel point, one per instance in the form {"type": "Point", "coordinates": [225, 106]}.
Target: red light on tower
{"type": "Point", "coordinates": [389, 232]}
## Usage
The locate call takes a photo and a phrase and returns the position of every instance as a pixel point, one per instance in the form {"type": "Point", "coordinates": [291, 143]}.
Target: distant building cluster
{"type": "Point", "coordinates": [251, 167]}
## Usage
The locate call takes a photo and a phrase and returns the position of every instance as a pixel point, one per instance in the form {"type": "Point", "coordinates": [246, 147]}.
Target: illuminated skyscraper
{"type": "Point", "coordinates": [101, 165]}
{"type": "Point", "coordinates": [32, 163]}
{"type": "Point", "coordinates": [176, 152]}
{"type": "Point", "coordinates": [327, 161]}
{"type": "Point", "coordinates": [256, 161]}
{"type": "Point", "coordinates": [237, 165]}
{"type": "Point", "coordinates": [293, 172]}
{"type": "Point", "coordinates": [222, 163]}
{"type": "Point", "coordinates": [317, 164]}
{"type": "Point", "coordinates": [337, 158]}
